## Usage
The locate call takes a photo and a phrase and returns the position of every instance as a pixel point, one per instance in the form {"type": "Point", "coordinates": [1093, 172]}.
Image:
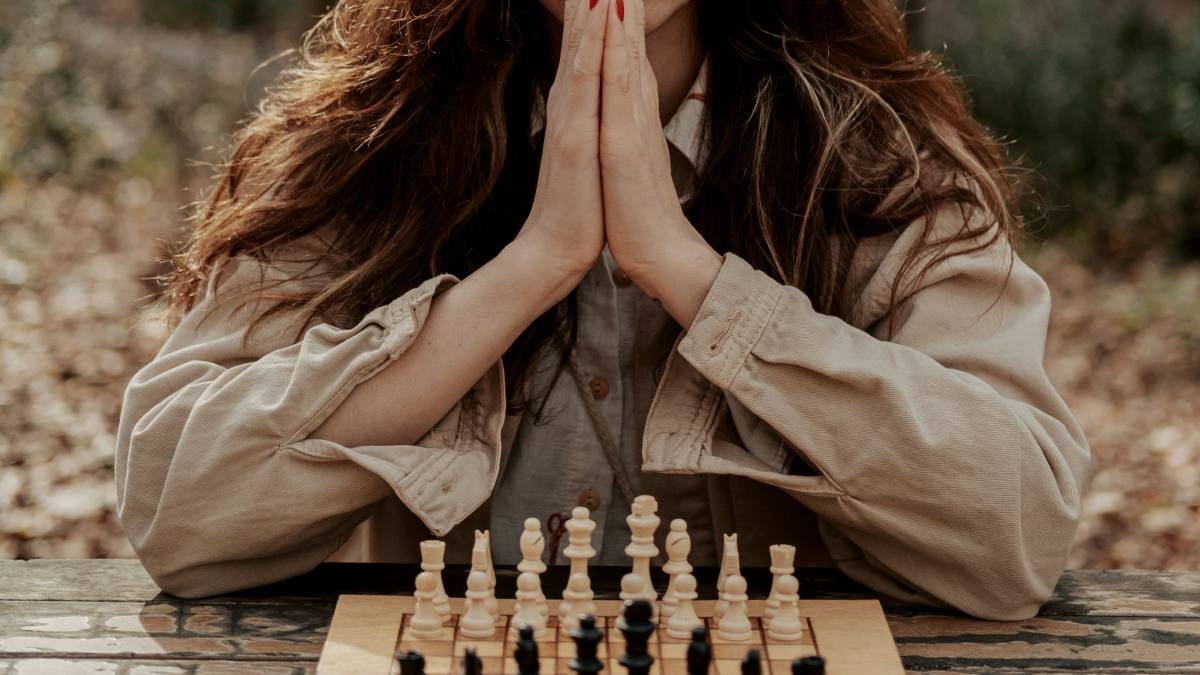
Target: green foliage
{"type": "Point", "coordinates": [233, 14]}
{"type": "Point", "coordinates": [1102, 99]}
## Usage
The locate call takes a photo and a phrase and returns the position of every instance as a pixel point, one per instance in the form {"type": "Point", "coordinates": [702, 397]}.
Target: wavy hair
{"type": "Point", "coordinates": [401, 129]}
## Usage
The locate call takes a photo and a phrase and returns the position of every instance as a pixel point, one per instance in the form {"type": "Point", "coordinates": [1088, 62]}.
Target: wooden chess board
{"type": "Point", "coordinates": [367, 630]}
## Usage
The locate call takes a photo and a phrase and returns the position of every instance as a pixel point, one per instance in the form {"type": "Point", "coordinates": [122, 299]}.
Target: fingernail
{"type": "Point", "coordinates": [621, 9]}
{"type": "Point", "coordinates": [591, 4]}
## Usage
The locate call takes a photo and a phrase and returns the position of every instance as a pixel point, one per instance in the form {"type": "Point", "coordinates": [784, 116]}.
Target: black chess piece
{"type": "Point", "coordinates": [809, 665]}
{"type": "Point", "coordinates": [637, 627]}
{"type": "Point", "coordinates": [411, 663]}
{"type": "Point", "coordinates": [526, 652]}
{"type": "Point", "coordinates": [471, 663]}
{"type": "Point", "coordinates": [752, 664]}
{"type": "Point", "coordinates": [699, 652]}
{"type": "Point", "coordinates": [586, 638]}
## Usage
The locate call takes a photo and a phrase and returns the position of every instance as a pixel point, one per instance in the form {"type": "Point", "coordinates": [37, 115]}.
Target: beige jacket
{"type": "Point", "coordinates": [947, 468]}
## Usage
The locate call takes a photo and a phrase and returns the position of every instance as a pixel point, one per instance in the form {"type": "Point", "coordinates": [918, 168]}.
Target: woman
{"type": "Point", "coordinates": [766, 242]}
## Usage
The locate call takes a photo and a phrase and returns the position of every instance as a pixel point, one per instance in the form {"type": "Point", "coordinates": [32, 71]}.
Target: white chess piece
{"type": "Point", "coordinates": [786, 624]}
{"type": "Point", "coordinates": [577, 600]}
{"type": "Point", "coordinates": [528, 607]}
{"type": "Point", "coordinates": [532, 545]}
{"type": "Point", "coordinates": [425, 623]}
{"type": "Point", "coordinates": [579, 540]}
{"type": "Point", "coordinates": [782, 557]}
{"type": "Point", "coordinates": [483, 543]}
{"type": "Point", "coordinates": [735, 623]}
{"type": "Point", "coordinates": [684, 618]}
{"type": "Point", "coordinates": [678, 545]}
{"type": "Point", "coordinates": [730, 565]}
{"type": "Point", "coordinates": [433, 555]}
{"type": "Point", "coordinates": [643, 521]}
{"type": "Point", "coordinates": [477, 621]}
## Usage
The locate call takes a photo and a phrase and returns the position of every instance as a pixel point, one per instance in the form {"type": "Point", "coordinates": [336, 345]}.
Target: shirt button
{"type": "Point", "coordinates": [590, 499]}
{"type": "Point", "coordinates": [620, 278]}
{"type": "Point", "coordinates": [599, 387]}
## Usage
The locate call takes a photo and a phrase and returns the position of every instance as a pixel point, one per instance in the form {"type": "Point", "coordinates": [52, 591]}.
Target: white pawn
{"type": "Point", "coordinates": [633, 587]}
{"type": "Point", "coordinates": [532, 545]}
{"type": "Point", "coordinates": [678, 545]}
{"type": "Point", "coordinates": [528, 610]}
{"type": "Point", "coordinates": [577, 599]}
{"type": "Point", "coordinates": [477, 622]}
{"type": "Point", "coordinates": [433, 554]}
{"type": "Point", "coordinates": [425, 623]}
{"type": "Point", "coordinates": [684, 618]}
{"type": "Point", "coordinates": [786, 624]}
{"type": "Point", "coordinates": [735, 624]}
{"type": "Point", "coordinates": [782, 557]}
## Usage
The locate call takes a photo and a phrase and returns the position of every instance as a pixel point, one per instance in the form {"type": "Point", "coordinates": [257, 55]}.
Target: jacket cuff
{"type": "Point", "coordinates": [730, 320]}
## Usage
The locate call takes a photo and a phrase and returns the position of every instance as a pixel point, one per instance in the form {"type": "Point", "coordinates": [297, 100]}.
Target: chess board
{"type": "Point", "coordinates": [852, 635]}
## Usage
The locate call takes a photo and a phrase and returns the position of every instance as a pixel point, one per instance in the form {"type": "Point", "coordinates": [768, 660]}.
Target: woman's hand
{"type": "Point", "coordinates": [566, 223]}
{"type": "Point", "coordinates": [648, 234]}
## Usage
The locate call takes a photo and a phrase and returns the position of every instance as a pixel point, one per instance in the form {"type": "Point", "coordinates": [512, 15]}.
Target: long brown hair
{"type": "Point", "coordinates": [402, 130]}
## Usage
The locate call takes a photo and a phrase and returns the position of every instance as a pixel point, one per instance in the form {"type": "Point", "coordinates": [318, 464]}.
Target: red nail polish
{"type": "Point", "coordinates": [621, 9]}
{"type": "Point", "coordinates": [591, 4]}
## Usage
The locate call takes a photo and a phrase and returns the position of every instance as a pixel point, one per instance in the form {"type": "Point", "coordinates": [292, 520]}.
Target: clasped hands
{"type": "Point", "coordinates": [606, 169]}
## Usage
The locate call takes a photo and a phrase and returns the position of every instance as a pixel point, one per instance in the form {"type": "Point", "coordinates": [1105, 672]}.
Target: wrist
{"type": "Point", "coordinates": [537, 270]}
{"type": "Point", "coordinates": [681, 279]}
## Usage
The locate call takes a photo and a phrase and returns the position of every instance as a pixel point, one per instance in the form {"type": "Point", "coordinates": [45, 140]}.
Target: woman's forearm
{"type": "Point", "coordinates": [469, 327]}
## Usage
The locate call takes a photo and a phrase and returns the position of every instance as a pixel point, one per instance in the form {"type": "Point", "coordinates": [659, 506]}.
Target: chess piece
{"type": "Point", "coordinates": [528, 608]}
{"type": "Point", "coordinates": [532, 545]}
{"type": "Point", "coordinates": [526, 652]}
{"type": "Point", "coordinates": [752, 664]}
{"type": "Point", "coordinates": [685, 619]}
{"type": "Point", "coordinates": [472, 664]}
{"type": "Point", "coordinates": [425, 623]}
{"type": "Point", "coordinates": [678, 545]}
{"type": "Point", "coordinates": [809, 665]}
{"type": "Point", "coordinates": [637, 627]}
{"type": "Point", "coordinates": [735, 623]}
{"type": "Point", "coordinates": [586, 639]}
{"type": "Point", "coordinates": [643, 521]}
{"type": "Point", "coordinates": [411, 663]}
{"type": "Point", "coordinates": [433, 555]}
{"type": "Point", "coordinates": [579, 540]}
{"type": "Point", "coordinates": [730, 565]}
{"type": "Point", "coordinates": [787, 624]}
{"type": "Point", "coordinates": [631, 587]}
{"type": "Point", "coordinates": [782, 557]}
{"type": "Point", "coordinates": [477, 622]}
{"type": "Point", "coordinates": [577, 600]}
{"type": "Point", "coordinates": [699, 652]}
{"type": "Point", "coordinates": [481, 555]}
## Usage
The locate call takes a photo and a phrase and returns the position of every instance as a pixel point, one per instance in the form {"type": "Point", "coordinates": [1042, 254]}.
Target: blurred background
{"type": "Point", "coordinates": [111, 112]}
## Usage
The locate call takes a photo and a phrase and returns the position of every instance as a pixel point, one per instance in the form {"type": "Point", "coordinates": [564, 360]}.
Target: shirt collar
{"type": "Point", "coordinates": [683, 130]}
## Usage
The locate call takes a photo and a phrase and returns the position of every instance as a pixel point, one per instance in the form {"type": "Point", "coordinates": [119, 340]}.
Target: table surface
{"type": "Point", "coordinates": [107, 616]}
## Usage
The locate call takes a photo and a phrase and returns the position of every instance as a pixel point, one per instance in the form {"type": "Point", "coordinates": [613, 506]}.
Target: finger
{"type": "Point", "coordinates": [572, 33]}
{"type": "Point", "coordinates": [584, 72]}
{"type": "Point", "coordinates": [643, 74]}
{"type": "Point", "coordinates": [617, 101]}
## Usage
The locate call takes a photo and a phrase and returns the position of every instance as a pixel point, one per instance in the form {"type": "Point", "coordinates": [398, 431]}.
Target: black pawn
{"type": "Point", "coordinates": [637, 627]}
{"type": "Point", "coordinates": [526, 652]}
{"type": "Point", "coordinates": [752, 664]}
{"type": "Point", "coordinates": [699, 652]}
{"type": "Point", "coordinates": [809, 665]}
{"type": "Point", "coordinates": [472, 665]}
{"type": "Point", "coordinates": [586, 639]}
{"type": "Point", "coordinates": [411, 663]}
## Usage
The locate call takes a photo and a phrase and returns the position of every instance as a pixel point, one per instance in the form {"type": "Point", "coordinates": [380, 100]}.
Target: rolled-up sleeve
{"type": "Point", "coordinates": [220, 486]}
{"type": "Point", "coordinates": [940, 459]}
